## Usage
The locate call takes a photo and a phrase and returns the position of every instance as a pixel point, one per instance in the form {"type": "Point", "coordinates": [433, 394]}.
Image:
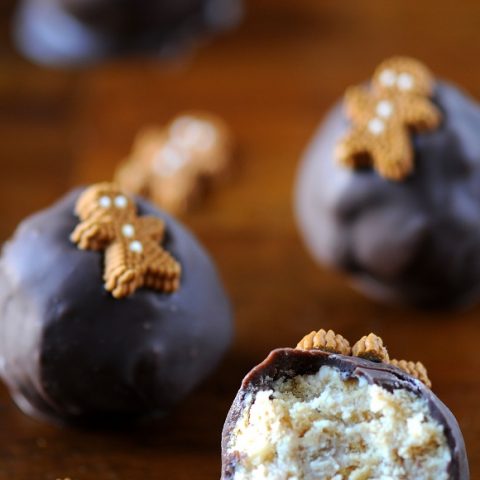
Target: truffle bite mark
{"type": "Point", "coordinates": [324, 425]}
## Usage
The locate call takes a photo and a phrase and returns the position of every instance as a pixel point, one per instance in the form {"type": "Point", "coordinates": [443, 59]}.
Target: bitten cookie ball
{"type": "Point", "coordinates": [388, 189]}
{"type": "Point", "coordinates": [324, 411]}
{"type": "Point", "coordinates": [110, 310]}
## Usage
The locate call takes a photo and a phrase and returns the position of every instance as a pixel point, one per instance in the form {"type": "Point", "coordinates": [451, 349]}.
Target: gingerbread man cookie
{"type": "Point", "coordinates": [369, 347]}
{"type": "Point", "coordinates": [171, 165]}
{"type": "Point", "coordinates": [384, 115]}
{"type": "Point", "coordinates": [134, 256]}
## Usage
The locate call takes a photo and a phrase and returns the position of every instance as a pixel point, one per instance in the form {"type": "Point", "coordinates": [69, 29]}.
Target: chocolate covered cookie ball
{"type": "Point", "coordinates": [110, 310]}
{"type": "Point", "coordinates": [389, 192]}
{"type": "Point", "coordinates": [69, 32]}
{"type": "Point", "coordinates": [327, 411]}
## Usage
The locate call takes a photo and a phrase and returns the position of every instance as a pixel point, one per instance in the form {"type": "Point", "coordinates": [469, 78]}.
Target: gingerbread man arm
{"type": "Point", "coordinates": [358, 101]}
{"type": "Point", "coordinates": [163, 272]}
{"type": "Point", "coordinates": [421, 114]}
{"type": "Point", "coordinates": [93, 234]}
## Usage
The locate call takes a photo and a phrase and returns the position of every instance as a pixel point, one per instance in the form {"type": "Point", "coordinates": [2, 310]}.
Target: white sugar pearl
{"type": "Point", "coordinates": [136, 247]}
{"type": "Point", "coordinates": [405, 81]}
{"type": "Point", "coordinates": [376, 126]}
{"type": "Point", "coordinates": [388, 77]}
{"type": "Point", "coordinates": [104, 201]}
{"type": "Point", "coordinates": [169, 160]}
{"type": "Point", "coordinates": [128, 230]}
{"type": "Point", "coordinates": [199, 135]}
{"type": "Point", "coordinates": [121, 201]}
{"type": "Point", "coordinates": [384, 108]}
{"type": "Point", "coordinates": [192, 133]}
{"type": "Point", "coordinates": [180, 123]}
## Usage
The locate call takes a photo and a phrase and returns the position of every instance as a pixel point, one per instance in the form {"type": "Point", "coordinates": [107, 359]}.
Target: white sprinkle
{"type": "Point", "coordinates": [128, 230]}
{"type": "Point", "coordinates": [105, 201]}
{"type": "Point", "coordinates": [169, 160]}
{"type": "Point", "coordinates": [388, 77]}
{"type": "Point", "coordinates": [384, 108]}
{"type": "Point", "coordinates": [121, 201]}
{"type": "Point", "coordinates": [191, 133]}
{"type": "Point", "coordinates": [376, 126]}
{"type": "Point", "coordinates": [405, 81]}
{"type": "Point", "coordinates": [136, 247]}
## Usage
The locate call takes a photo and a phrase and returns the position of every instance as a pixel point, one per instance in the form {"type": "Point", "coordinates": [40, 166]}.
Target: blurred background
{"type": "Point", "coordinates": [70, 110]}
{"type": "Point", "coordinates": [271, 78]}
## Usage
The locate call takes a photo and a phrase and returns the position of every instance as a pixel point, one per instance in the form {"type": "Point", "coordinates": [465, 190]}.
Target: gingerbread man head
{"type": "Point", "coordinates": [134, 256]}
{"type": "Point", "coordinates": [399, 75]}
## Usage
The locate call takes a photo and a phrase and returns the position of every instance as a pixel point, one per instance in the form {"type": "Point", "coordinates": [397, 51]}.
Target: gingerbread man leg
{"type": "Point", "coordinates": [122, 273]}
{"type": "Point", "coordinates": [162, 271]}
{"type": "Point", "coordinates": [93, 234]}
{"type": "Point", "coordinates": [420, 114]}
{"type": "Point", "coordinates": [392, 153]}
{"type": "Point", "coordinates": [354, 150]}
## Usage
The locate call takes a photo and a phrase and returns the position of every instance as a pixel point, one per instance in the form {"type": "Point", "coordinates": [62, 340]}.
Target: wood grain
{"type": "Point", "coordinates": [272, 80]}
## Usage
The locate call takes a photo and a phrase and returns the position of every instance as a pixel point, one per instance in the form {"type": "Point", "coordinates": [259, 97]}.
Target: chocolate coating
{"type": "Point", "coordinates": [288, 363]}
{"type": "Point", "coordinates": [415, 241]}
{"type": "Point", "coordinates": [69, 350]}
{"type": "Point", "coordinates": [65, 32]}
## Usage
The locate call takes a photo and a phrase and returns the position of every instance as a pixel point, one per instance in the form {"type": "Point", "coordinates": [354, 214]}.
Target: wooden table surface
{"type": "Point", "coordinates": [272, 79]}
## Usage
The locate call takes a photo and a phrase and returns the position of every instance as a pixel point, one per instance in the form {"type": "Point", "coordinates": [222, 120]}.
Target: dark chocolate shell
{"type": "Point", "coordinates": [69, 350]}
{"type": "Point", "coordinates": [413, 241]}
